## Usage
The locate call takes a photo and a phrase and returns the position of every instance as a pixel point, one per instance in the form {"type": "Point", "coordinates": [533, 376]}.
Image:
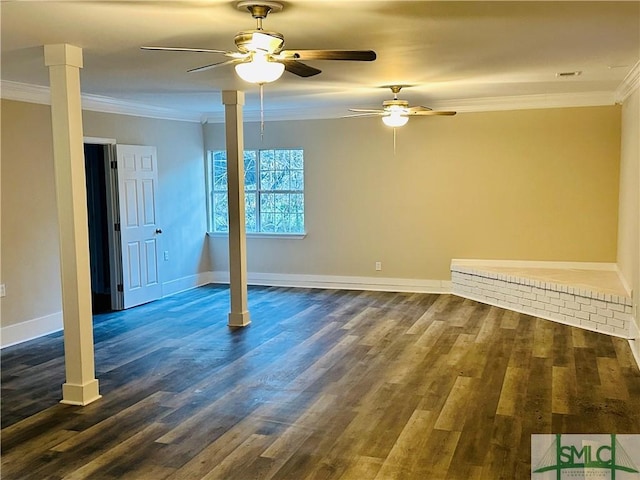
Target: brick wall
{"type": "Point", "coordinates": [588, 309]}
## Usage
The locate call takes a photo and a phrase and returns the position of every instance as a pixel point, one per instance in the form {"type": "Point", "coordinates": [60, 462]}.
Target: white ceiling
{"type": "Point", "coordinates": [451, 53]}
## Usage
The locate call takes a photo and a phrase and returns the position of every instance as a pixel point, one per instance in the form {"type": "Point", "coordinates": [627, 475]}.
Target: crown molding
{"type": "Point", "coordinates": [629, 84]}
{"type": "Point", "coordinates": [527, 102]}
{"type": "Point", "coordinates": [25, 92]}
{"type": "Point", "coordinates": [38, 94]}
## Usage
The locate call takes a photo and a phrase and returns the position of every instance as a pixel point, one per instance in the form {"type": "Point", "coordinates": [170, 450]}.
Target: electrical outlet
{"type": "Point", "coordinates": [166, 255]}
{"type": "Point", "coordinates": [378, 266]}
{"type": "Point", "coordinates": [3, 292]}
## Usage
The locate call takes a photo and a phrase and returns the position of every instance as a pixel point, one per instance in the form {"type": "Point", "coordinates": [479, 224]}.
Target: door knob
{"type": "Point", "coordinates": [158, 230]}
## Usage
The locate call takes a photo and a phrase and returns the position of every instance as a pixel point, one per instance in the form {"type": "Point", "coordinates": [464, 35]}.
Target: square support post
{"type": "Point", "coordinates": [64, 62]}
{"type": "Point", "coordinates": [233, 102]}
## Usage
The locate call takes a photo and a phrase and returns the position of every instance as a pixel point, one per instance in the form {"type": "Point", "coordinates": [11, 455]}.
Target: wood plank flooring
{"type": "Point", "coordinates": [324, 384]}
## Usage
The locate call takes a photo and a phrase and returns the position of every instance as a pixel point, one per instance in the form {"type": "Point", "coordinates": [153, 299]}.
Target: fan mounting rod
{"type": "Point", "coordinates": [259, 9]}
{"type": "Point", "coordinates": [396, 90]}
{"type": "Point", "coordinates": [395, 102]}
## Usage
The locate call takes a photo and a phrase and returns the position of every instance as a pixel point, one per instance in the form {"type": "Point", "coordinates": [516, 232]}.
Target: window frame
{"type": "Point", "coordinates": [211, 191]}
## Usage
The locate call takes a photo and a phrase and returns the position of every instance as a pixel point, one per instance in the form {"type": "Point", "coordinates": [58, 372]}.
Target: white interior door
{"type": "Point", "coordinates": [137, 168]}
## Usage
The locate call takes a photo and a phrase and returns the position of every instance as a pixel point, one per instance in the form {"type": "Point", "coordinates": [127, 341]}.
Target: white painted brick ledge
{"type": "Point", "coordinates": [579, 307]}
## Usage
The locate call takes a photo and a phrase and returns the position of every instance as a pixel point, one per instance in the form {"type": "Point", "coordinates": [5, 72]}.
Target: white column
{"type": "Point", "coordinates": [233, 101]}
{"type": "Point", "coordinates": [64, 62]}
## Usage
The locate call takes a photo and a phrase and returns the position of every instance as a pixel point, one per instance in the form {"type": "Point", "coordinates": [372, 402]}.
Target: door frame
{"type": "Point", "coordinates": [113, 218]}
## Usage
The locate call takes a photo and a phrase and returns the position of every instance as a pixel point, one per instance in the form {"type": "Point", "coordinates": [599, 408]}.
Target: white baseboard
{"type": "Point", "coordinates": [30, 329]}
{"type": "Point", "coordinates": [186, 283]}
{"type": "Point", "coordinates": [624, 282]}
{"type": "Point", "coordinates": [38, 327]}
{"type": "Point", "coordinates": [341, 282]}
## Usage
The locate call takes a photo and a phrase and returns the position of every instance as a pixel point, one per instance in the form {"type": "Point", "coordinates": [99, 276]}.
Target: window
{"type": "Point", "coordinates": [273, 188]}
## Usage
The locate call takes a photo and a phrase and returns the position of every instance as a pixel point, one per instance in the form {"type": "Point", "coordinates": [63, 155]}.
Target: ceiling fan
{"type": "Point", "coordinates": [261, 58]}
{"type": "Point", "coordinates": [395, 113]}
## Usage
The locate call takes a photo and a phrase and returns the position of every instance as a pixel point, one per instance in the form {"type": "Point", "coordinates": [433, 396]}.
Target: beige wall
{"type": "Point", "coordinates": [30, 256]}
{"type": "Point", "coordinates": [629, 225]}
{"type": "Point", "coordinates": [182, 207]}
{"type": "Point", "coordinates": [30, 247]}
{"type": "Point", "coordinates": [536, 185]}
{"type": "Point", "coordinates": [530, 185]}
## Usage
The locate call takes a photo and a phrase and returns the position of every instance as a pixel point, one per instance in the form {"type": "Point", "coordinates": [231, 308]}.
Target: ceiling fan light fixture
{"type": "Point", "coordinates": [395, 119]}
{"type": "Point", "coordinates": [260, 69]}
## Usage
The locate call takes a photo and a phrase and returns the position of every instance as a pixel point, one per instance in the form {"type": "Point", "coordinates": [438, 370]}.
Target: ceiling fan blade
{"type": "Point", "coordinates": [300, 69]}
{"type": "Point", "coordinates": [367, 110]}
{"type": "Point", "coordinates": [213, 65]}
{"type": "Point", "coordinates": [183, 49]}
{"type": "Point", "coordinates": [369, 114]}
{"type": "Point", "coordinates": [419, 108]}
{"type": "Point", "coordinates": [429, 113]}
{"type": "Point", "coordinates": [355, 55]}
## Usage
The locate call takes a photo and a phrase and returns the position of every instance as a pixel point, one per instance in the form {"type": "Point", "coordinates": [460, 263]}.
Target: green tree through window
{"type": "Point", "coordinates": [273, 187]}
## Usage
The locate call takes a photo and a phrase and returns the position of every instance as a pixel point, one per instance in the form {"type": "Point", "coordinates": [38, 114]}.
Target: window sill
{"type": "Point", "coordinates": [285, 236]}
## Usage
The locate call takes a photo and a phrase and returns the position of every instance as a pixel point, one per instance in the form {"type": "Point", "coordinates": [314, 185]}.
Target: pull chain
{"type": "Point", "coordinates": [394, 141]}
{"type": "Point", "coordinates": [261, 112]}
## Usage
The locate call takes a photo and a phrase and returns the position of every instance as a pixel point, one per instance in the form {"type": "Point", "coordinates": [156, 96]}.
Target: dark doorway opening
{"type": "Point", "coordinates": [97, 211]}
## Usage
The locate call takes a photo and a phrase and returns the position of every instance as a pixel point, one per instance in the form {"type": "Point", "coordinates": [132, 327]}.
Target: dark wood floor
{"type": "Point", "coordinates": [323, 384]}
